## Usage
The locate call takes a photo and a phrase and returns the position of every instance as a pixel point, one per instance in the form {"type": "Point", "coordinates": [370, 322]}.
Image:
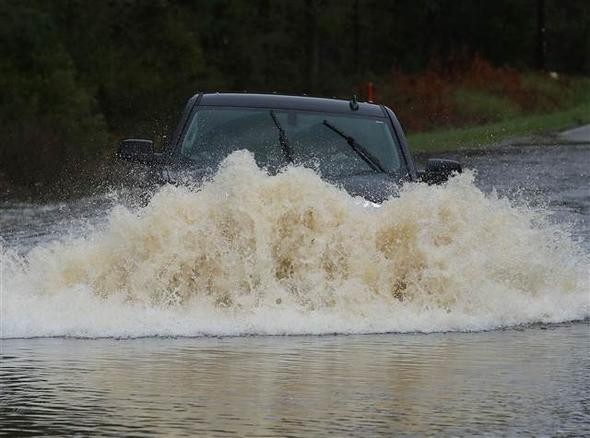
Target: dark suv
{"type": "Point", "coordinates": [359, 146]}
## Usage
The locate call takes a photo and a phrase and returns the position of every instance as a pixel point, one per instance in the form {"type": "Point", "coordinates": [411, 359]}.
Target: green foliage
{"type": "Point", "coordinates": [481, 106]}
{"type": "Point", "coordinates": [46, 116]}
{"type": "Point", "coordinates": [141, 57]}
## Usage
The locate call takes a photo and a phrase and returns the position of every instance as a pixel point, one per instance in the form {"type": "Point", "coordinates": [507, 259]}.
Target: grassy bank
{"type": "Point", "coordinates": [475, 137]}
{"type": "Point", "coordinates": [471, 103]}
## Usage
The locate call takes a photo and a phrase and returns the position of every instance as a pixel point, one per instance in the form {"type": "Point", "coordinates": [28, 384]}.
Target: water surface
{"type": "Point", "coordinates": [531, 381]}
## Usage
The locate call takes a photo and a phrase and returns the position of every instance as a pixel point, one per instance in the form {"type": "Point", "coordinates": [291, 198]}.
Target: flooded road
{"type": "Point", "coordinates": [532, 379]}
{"type": "Point", "coordinates": [557, 177]}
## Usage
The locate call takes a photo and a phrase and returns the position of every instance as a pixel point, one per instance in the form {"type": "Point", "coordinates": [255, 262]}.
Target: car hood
{"type": "Point", "coordinates": [375, 187]}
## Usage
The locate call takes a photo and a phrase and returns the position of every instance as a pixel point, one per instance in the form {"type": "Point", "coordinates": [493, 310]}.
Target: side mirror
{"type": "Point", "coordinates": [138, 151]}
{"type": "Point", "coordinates": [438, 170]}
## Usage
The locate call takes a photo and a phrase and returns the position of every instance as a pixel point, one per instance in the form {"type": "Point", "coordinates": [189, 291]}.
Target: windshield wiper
{"type": "Point", "coordinates": [359, 149]}
{"type": "Point", "coordinates": [282, 138]}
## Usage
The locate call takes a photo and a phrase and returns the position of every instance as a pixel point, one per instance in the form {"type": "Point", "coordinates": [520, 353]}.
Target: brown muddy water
{"type": "Point", "coordinates": [454, 310]}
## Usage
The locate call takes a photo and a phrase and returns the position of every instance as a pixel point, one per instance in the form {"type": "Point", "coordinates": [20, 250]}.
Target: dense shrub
{"type": "Point", "coordinates": [462, 92]}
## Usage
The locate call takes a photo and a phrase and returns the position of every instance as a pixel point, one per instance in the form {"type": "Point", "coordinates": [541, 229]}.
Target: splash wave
{"type": "Point", "coordinates": [249, 253]}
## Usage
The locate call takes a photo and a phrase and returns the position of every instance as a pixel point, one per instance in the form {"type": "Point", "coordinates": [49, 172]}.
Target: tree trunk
{"type": "Point", "coordinates": [311, 46]}
{"type": "Point", "coordinates": [541, 42]}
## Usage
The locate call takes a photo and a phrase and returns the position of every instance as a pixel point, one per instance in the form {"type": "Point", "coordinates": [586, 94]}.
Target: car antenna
{"type": "Point", "coordinates": [354, 105]}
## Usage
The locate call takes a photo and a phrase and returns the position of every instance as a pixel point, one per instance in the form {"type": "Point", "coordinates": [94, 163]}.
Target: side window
{"type": "Point", "coordinates": [189, 138]}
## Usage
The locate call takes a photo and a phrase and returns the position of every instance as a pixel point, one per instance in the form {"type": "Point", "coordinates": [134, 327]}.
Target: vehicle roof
{"type": "Point", "coordinates": [280, 101]}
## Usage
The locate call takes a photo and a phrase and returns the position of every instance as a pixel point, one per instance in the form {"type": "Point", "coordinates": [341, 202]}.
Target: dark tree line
{"type": "Point", "coordinates": [75, 74]}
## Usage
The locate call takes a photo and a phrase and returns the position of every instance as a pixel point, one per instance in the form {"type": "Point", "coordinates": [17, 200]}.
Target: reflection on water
{"type": "Point", "coordinates": [531, 381]}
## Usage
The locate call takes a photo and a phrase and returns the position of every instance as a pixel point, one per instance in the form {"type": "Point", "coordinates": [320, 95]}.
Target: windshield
{"type": "Point", "coordinates": [307, 138]}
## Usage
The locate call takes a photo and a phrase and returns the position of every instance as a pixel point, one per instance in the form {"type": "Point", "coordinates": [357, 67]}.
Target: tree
{"type": "Point", "coordinates": [46, 116]}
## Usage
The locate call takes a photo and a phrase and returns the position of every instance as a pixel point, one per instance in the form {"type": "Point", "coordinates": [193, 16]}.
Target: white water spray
{"type": "Point", "coordinates": [250, 253]}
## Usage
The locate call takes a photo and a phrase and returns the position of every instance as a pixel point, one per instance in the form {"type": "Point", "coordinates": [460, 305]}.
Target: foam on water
{"type": "Point", "coordinates": [250, 253]}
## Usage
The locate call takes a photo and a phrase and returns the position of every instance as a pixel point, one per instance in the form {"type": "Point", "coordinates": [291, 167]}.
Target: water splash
{"type": "Point", "coordinates": [249, 253]}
